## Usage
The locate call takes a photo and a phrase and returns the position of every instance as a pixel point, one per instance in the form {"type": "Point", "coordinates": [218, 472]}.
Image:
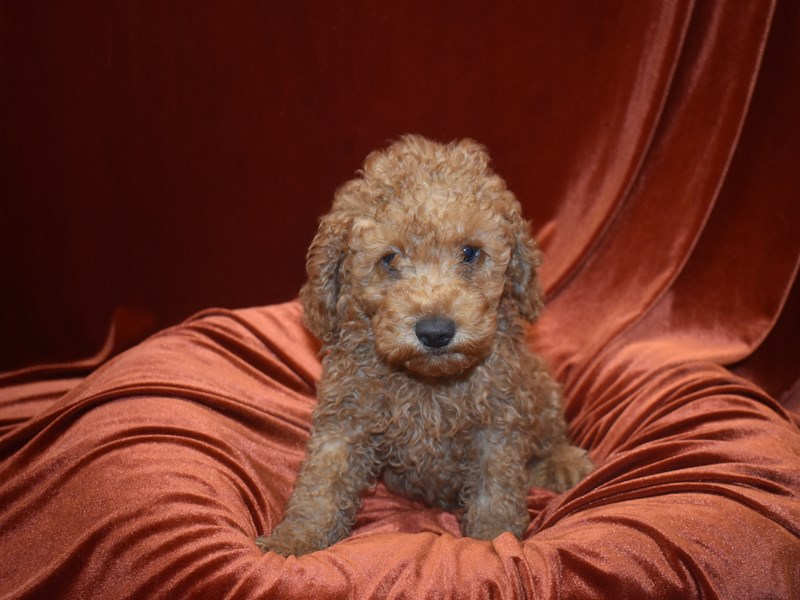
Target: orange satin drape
{"type": "Point", "coordinates": [655, 147]}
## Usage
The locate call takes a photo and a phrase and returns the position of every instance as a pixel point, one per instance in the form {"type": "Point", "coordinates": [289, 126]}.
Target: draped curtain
{"type": "Point", "coordinates": [655, 147]}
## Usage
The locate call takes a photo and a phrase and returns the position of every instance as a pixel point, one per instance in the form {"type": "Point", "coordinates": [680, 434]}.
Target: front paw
{"type": "Point", "coordinates": [489, 531]}
{"type": "Point", "coordinates": [291, 538]}
{"type": "Point", "coordinates": [483, 523]}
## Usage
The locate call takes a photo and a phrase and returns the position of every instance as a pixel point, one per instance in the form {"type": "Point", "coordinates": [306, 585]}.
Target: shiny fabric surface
{"type": "Point", "coordinates": [152, 476]}
{"type": "Point", "coordinates": [673, 322]}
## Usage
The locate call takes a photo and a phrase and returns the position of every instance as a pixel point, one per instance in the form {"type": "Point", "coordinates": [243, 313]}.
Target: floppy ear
{"type": "Point", "coordinates": [324, 287]}
{"type": "Point", "coordinates": [321, 291]}
{"type": "Point", "coordinates": [522, 281]}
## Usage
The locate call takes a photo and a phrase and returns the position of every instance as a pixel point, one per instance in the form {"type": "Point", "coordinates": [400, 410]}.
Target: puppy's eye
{"type": "Point", "coordinates": [387, 261]}
{"type": "Point", "coordinates": [470, 254]}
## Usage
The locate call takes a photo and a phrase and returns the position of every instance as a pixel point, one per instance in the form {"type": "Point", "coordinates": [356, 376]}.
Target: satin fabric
{"type": "Point", "coordinates": [152, 476]}
{"type": "Point", "coordinates": [673, 310]}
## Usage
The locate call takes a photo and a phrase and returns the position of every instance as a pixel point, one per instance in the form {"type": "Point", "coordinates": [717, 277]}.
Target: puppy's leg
{"type": "Point", "coordinates": [562, 466]}
{"type": "Point", "coordinates": [495, 496]}
{"type": "Point", "coordinates": [323, 506]}
{"type": "Point", "coordinates": [556, 463]}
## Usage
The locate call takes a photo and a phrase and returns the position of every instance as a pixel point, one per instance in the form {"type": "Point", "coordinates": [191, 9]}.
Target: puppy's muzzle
{"type": "Point", "coordinates": [436, 332]}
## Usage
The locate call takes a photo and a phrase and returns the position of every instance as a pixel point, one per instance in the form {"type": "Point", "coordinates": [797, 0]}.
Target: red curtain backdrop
{"type": "Point", "coordinates": [162, 158]}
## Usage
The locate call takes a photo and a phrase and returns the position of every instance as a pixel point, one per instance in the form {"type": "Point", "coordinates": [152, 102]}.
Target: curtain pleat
{"type": "Point", "coordinates": [673, 323]}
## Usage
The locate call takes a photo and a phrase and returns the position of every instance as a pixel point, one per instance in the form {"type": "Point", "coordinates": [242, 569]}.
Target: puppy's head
{"type": "Point", "coordinates": [429, 251]}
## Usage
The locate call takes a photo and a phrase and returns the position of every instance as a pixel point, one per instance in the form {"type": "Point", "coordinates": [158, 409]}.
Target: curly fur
{"type": "Point", "coordinates": [469, 425]}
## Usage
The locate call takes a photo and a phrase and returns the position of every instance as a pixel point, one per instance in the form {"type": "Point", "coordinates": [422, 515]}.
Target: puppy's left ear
{"type": "Point", "coordinates": [522, 280]}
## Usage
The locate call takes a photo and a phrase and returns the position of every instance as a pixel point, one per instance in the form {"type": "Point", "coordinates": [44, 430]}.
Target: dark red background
{"type": "Point", "coordinates": [173, 156]}
{"type": "Point", "coordinates": [176, 155]}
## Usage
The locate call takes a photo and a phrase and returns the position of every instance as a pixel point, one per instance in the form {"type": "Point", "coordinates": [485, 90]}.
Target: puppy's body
{"type": "Point", "coordinates": [429, 435]}
{"type": "Point", "coordinates": [420, 280]}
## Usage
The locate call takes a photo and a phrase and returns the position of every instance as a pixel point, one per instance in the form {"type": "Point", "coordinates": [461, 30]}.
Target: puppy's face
{"type": "Point", "coordinates": [427, 248]}
{"type": "Point", "coordinates": [429, 272]}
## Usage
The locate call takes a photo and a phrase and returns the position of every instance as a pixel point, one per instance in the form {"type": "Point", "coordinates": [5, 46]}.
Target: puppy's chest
{"type": "Point", "coordinates": [427, 428]}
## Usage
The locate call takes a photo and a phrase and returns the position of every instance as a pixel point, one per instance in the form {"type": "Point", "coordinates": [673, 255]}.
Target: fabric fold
{"type": "Point", "coordinates": [674, 306]}
{"type": "Point", "coordinates": [159, 470]}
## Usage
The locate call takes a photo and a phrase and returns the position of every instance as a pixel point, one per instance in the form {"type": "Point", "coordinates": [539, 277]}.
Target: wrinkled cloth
{"type": "Point", "coordinates": [672, 320]}
{"type": "Point", "coordinates": [152, 477]}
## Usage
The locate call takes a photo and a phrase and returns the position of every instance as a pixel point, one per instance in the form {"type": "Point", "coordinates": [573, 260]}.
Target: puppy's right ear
{"type": "Point", "coordinates": [326, 287]}
{"type": "Point", "coordinates": [322, 289]}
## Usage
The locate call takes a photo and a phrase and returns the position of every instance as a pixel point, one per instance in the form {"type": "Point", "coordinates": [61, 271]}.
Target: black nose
{"type": "Point", "coordinates": [435, 333]}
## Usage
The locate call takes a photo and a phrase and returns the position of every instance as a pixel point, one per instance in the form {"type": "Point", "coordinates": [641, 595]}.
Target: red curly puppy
{"type": "Point", "coordinates": [420, 282]}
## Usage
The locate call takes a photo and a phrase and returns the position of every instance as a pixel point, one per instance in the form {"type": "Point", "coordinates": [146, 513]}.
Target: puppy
{"type": "Point", "coordinates": [421, 280]}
